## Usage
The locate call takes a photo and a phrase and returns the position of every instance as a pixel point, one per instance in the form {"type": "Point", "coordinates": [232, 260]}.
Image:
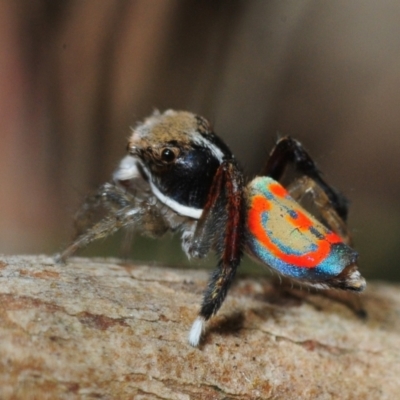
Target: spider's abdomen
{"type": "Point", "coordinates": [283, 235]}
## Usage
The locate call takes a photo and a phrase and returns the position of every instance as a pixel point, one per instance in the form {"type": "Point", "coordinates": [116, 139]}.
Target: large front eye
{"type": "Point", "coordinates": [168, 155]}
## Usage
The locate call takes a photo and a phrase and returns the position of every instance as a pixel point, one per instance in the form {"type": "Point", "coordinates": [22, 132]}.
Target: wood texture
{"type": "Point", "coordinates": [100, 329]}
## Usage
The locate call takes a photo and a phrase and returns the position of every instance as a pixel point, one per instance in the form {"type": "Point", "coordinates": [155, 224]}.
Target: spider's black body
{"type": "Point", "coordinates": [179, 175]}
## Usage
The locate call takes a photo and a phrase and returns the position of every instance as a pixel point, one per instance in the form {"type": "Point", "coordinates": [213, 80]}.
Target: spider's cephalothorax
{"type": "Point", "coordinates": [178, 175]}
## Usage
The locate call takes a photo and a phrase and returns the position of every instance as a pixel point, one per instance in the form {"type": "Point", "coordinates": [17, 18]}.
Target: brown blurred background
{"type": "Point", "coordinates": [75, 74]}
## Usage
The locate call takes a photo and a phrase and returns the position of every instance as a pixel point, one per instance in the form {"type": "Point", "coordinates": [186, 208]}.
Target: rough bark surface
{"type": "Point", "coordinates": [100, 329]}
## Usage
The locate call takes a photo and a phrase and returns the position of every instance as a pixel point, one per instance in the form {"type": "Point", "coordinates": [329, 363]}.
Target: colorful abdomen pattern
{"type": "Point", "coordinates": [283, 235]}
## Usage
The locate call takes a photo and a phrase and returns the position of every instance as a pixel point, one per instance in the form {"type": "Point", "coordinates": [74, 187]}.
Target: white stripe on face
{"type": "Point", "coordinates": [174, 205]}
{"type": "Point", "coordinates": [202, 141]}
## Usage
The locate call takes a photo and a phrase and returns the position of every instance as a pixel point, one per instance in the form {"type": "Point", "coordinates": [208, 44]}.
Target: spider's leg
{"type": "Point", "coordinates": [213, 219]}
{"type": "Point", "coordinates": [106, 199]}
{"type": "Point", "coordinates": [289, 151]}
{"type": "Point", "coordinates": [105, 227]}
{"type": "Point", "coordinates": [126, 243]}
{"type": "Point", "coordinates": [349, 299]}
{"type": "Point", "coordinates": [121, 210]}
{"type": "Point", "coordinates": [228, 184]}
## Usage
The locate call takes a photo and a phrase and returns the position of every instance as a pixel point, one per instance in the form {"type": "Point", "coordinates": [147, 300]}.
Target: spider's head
{"type": "Point", "coordinates": [178, 154]}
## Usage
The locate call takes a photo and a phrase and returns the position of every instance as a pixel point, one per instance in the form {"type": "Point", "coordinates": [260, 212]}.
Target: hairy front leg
{"type": "Point", "coordinates": [228, 245]}
{"type": "Point", "coordinates": [117, 209]}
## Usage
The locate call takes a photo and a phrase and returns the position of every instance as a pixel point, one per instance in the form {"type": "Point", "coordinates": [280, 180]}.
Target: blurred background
{"type": "Point", "coordinates": [76, 74]}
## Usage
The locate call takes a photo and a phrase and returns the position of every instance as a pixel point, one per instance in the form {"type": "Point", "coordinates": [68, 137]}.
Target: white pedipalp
{"type": "Point", "coordinates": [127, 169]}
{"type": "Point", "coordinates": [196, 331]}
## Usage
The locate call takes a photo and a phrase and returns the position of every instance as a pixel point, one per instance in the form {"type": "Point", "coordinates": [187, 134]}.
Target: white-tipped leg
{"type": "Point", "coordinates": [196, 331]}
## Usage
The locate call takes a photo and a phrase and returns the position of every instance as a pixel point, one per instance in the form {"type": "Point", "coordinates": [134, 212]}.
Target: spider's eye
{"type": "Point", "coordinates": [168, 155]}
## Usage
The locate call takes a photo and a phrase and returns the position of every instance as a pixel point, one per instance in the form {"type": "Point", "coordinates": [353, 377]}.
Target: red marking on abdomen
{"type": "Point", "coordinates": [301, 221]}
{"type": "Point", "coordinates": [332, 238]}
{"type": "Point", "coordinates": [308, 260]}
{"type": "Point", "coordinates": [278, 190]}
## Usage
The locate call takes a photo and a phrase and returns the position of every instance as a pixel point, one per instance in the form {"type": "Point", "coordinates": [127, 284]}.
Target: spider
{"type": "Point", "coordinates": [180, 176]}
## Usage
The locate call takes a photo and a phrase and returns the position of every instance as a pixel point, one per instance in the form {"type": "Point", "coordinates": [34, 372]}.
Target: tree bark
{"type": "Point", "coordinates": [97, 328]}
